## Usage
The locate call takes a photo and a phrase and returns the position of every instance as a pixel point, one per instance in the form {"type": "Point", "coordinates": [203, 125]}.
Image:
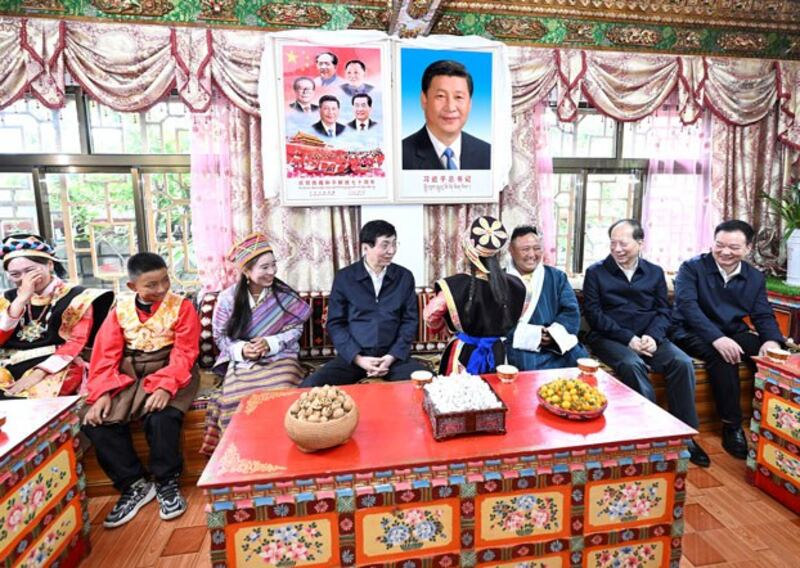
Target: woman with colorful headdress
{"type": "Point", "coordinates": [45, 322]}
{"type": "Point", "coordinates": [481, 307]}
{"type": "Point", "coordinates": [257, 325]}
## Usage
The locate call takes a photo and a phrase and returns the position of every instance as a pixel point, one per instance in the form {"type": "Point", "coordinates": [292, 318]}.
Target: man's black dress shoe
{"type": "Point", "coordinates": [697, 455]}
{"type": "Point", "coordinates": [734, 442]}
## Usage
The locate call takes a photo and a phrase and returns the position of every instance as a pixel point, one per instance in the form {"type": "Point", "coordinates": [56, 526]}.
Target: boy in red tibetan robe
{"type": "Point", "coordinates": [143, 367]}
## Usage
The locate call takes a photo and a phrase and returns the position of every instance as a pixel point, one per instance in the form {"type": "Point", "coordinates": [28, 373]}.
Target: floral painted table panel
{"type": "Point", "coordinates": [773, 463]}
{"type": "Point", "coordinates": [43, 504]}
{"type": "Point", "coordinates": [550, 492]}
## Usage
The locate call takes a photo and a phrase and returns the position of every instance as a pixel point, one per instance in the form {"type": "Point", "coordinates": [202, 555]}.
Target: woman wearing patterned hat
{"type": "Point", "coordinates": [480, 307]}
{"type": "Point", "coordinates": [257, 325]}
{"type": "Point", "coordinates": [45, 323]}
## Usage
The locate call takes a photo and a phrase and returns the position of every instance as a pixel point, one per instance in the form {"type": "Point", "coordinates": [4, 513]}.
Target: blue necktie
{"type": "Point", "coordinates": [451, 164]}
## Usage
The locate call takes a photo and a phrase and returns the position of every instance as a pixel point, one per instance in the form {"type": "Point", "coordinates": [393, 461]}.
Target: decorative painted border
{"type": "Point", "coordinates": [58, 434]}
{"type": "Point", "coordinates": [770, 383]}
{"type": "Point", "coordinates": [34, 495]}
{"type": "Point", "coordinates": [555, 463]}
{"type": "Point", "coordinates": [21, 462]}
{"type": "Point", "coordinates": [625, 36]}
{"type": "Point", "coordinates": [468, 489]}
{"type": "Point", "coordinates": [730, 38]}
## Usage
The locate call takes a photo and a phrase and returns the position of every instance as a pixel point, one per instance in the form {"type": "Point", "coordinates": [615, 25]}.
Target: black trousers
{"type": "Point", "coordinates": [724, 376]}
{"type": "Point", "coordinates": [337, 371]}
{"type": "Point", "coordinates": [114, 448]}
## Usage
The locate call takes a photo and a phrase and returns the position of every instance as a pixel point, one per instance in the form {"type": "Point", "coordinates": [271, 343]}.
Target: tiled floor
{"type": "Point", "coordinates": [728, 523]}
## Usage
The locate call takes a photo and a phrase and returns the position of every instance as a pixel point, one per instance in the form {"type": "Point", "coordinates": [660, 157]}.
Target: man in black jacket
{"type": "Point", "coordinates": [714, 292]}
{"type": "Point", "coordinates": [372, 315]}
{"type": "Point", "coordinates": [625, 304]}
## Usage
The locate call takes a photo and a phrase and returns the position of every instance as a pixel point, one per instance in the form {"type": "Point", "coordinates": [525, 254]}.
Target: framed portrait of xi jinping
{"type": "Point", "coordinates": [335, 122]}
{"type": "Point", "coordinates": [445, 101]}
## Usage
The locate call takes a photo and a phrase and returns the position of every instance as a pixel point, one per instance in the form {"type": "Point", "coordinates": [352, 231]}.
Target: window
{"type": "Point", "coordinates": [164, 129]}
{"type": "Point", "coordinates": [17, 204]}
{"type": "Point", "coordinates": [594, 184]}
{"type": "Point", "coordinates": [28, 127]}
{"type": "Point", "coordinates": [100, 184]}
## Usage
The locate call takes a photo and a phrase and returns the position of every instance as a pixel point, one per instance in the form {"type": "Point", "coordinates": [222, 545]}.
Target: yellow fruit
{"type": "Point", "coordinates": [572, 394]}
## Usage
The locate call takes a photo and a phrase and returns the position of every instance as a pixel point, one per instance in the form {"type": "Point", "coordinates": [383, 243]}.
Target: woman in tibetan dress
{"type": "Point", "coordinates": [257, 324]}
{"type": "Point", "coordinates": [481, 307]}
{"type": "Point", "coordinates": [46, 324]}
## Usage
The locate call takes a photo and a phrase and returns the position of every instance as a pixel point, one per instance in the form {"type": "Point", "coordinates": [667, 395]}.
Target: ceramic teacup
{"type": "Point", "coordinates": [421, 378]}
{"type": "Point", "coordinates": [507, 373]}
{"type": "Point", "coordinates": [588, 365]}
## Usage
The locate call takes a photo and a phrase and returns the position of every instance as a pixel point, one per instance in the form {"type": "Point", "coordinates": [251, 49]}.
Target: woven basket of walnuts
{"type": "Point", "coordinates": [321, 418]}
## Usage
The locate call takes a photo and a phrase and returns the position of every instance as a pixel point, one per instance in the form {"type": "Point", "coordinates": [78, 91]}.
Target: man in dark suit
{"type": "Point", "coordinates": [362, 107]}
{"type": "Point", "coordinates": [372, 315]}
{"type": "Point", "coordinates": [625, 304]}
{"type": "Point", "coordinates": [442, 144]}
{"type": "Point", "coordinates": [327, 124]}
{"type": "Point", "coordinates": [303, 93]}
{"type": "Point", "coordinates": [714, 292]}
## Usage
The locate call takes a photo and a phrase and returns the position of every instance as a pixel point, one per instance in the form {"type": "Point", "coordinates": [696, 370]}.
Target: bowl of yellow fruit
{"type": "Point", "coordinates": [572, 398]}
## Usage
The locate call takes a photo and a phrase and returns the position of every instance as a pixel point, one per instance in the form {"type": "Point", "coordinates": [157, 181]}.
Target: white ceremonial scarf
{"type": "Point", "coordinates": [528, 336]}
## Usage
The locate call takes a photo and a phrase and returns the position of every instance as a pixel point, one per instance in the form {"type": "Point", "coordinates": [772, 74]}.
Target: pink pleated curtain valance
{"type": "Point", "coordinates": [131, 67]}
{"type": "Point", "coordinates": [631, 86]}
{"type": "Point", "coordinates": [127, 67]}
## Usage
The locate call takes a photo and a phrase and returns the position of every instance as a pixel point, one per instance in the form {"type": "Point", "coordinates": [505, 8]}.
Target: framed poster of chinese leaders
{"type": "Point", "coordinates": [446, 125]}
{"type": "Point", "coordinates": [335, 121]}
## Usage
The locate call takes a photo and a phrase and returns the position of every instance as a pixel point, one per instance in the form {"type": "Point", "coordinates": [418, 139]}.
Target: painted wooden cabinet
{"type": "Point", "coordinates": [550, 492]}
{"type": "Point", "coordinates": [44, 517]}
{"type": "Point", "coordinates": [773, 463]}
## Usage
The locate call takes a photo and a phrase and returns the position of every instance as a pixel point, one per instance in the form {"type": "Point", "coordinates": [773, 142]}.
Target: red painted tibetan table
{"type": "Point", "coordinates": [773, 463]}
{"type": "Point", "coordinates": [549, 492]}
{"type": "Point", "coordinates": [44, 516]}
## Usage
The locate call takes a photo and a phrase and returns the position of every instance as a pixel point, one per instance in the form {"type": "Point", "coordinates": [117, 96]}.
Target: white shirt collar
{"type": "Point", "coordinates": [365, 123]}
{"type": "Point", "coordinates": [728, 277]}
{"type": "Point", "coordinates": [440, 147]}
{"type": "Point", "coordinates": [629, 272]}
{"type": "Point", "coordinates": [377, 278]}
{"type": "Point", "coordinates": [327, 128]}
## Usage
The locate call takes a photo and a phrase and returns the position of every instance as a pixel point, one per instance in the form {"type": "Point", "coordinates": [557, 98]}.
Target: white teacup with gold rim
{"type": "Point", "coordinates": [507, 373]}
{"type": "Point", "coordinates": [421, 378]}
{"type": "Point", "coordinates": [588, 365]}
{"type": "Point", "coordinates": [778, 355]}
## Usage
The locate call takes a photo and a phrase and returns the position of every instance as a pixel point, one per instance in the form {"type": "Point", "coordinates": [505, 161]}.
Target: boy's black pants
{"type": "Point", "coordinates": [113, 445]}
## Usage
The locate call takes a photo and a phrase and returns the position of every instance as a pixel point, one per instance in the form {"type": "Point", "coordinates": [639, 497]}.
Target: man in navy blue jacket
{"type": "Point", "coordinates": [372, 315]}
{"type": "Point", "coordinates": [625, 304]}
{"type": "Point", "coordinates": [713, 294]}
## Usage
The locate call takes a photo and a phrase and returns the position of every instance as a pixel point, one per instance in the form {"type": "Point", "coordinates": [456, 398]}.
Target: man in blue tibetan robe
{"type": "Point", "coordinates": [545, 336]}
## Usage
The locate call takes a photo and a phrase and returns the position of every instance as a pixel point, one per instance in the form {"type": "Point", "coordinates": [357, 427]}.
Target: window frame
{"type": "Point", "coordinates": [585, 166]}
{"type": "Point", "coordinates": [39, 165]}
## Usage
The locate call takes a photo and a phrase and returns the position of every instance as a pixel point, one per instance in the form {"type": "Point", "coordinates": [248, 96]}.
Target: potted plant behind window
{"type": "Point", "coordinates": [788, 207]}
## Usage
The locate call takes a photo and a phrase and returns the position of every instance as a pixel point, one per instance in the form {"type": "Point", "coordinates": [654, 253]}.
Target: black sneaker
{"type": "Point", "coordinates": [170, 500]}
{"type": "Point", "coordinates": [132, 499]}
